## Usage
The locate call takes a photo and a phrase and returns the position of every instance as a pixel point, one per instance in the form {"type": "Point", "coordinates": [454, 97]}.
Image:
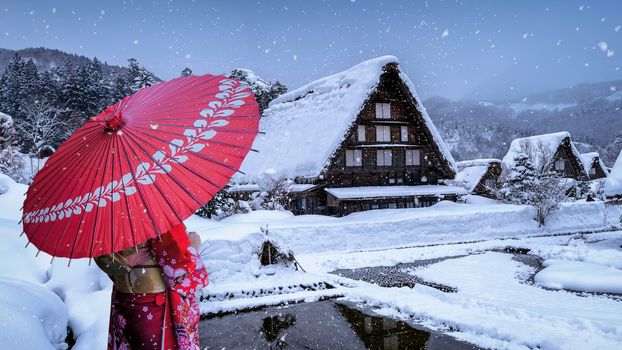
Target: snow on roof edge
{"type": "Point", "coordinates": [588, 159]}
{"type": "Point", "coordinates": [613, 183]}
{"type": "Point", "coordinates": [426, 118]}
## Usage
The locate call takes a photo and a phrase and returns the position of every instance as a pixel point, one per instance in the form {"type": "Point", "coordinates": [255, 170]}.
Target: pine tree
{"type": "Point", "coordinates": [139, 77]}
{"type": "Point", "coordinates": [186, 72]}
{"type": "Point", "coordinates": [520, 183]}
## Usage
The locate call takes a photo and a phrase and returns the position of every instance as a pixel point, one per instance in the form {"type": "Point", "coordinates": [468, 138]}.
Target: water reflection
{"type": "Point", "coordinates": [318, 325]}
{"type": "Point", "coordinates": [384, 333]}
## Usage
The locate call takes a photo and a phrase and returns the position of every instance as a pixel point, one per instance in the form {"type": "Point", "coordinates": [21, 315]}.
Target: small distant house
{"type": "Point", "coordinates": [478, 176]}
{"type": "Point", "coordinates": [549, 153]}
{"type": "Point", "coordinates": [594, 166]}
{"type": "Point", "coordinates": [357, 140]}
{"type": "Point", "coordinates": [613, 183]}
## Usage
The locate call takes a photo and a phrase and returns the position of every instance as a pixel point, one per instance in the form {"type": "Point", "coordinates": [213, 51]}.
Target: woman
{"type": "Point", "coordinates": [153, 300]}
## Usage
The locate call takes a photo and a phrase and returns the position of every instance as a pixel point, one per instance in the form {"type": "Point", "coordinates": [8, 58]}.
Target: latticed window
{"type": "Point", "coordinates": [383, 133]}
{"type": "Point", "coordinates": [412, 157]}
{"type": "Point", "coordinates": [354, 157]}
{"type": "Point", "coordinates": [361, 133]}
{"type": "Point", "coordinates": [560, 165]}
{"type": "Point", "coordinates": [384, 157]}
{"type": "Point", "coordinates": [404, 133]}
{"type": "Point", "coordinates": [383, 111]}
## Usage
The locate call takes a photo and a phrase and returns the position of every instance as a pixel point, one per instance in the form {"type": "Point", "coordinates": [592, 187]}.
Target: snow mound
{"type": "Point", "coordinates": [32, 317]}
{"type": "Point", "coordinates": [613, 184]}
{"type": "Point", "coordinates": [579, 276]}
{"type": "Point", "coordinates": [12, 196]}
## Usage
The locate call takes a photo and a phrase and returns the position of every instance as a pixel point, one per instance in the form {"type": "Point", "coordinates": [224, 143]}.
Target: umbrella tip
{"type": "Point", "coordinates": [115, 122]}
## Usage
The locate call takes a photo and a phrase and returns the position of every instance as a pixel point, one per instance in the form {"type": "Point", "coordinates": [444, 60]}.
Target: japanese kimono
{"type": "Point", "coordinates": [153, 303]}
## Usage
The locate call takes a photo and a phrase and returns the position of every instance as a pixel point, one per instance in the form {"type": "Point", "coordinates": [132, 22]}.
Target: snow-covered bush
{"type": "Point", "coordinates": [274, 194]}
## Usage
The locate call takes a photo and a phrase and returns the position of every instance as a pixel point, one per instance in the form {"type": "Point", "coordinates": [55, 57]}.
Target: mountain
{"type": "Point", "coordinates": [591, 112]}
{"type": "Point", "coordinates": [46, 59]}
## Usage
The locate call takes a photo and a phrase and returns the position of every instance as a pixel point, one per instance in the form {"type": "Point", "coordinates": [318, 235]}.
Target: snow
{"type": "Point", "coordinates": [321, 110]}
{"type": "Point", "coordinates": [613, 184]}
{"type": "Point", "coordinates": [252, 78]}
{"type": "Point", "coordinates": [588, 159]}
{"type": "Point", "coordinates": [32, 317]}
{"type": "Point", "coordinates": [549, 142]}
{"type": "Point", "coordinates": [549, 107]}
{"type": "Point", "coordinates": [78, 296]}
{"type": "Point", "coordinates": [394, 191]}
{"type": "Point", "coordinates": [580, 276]}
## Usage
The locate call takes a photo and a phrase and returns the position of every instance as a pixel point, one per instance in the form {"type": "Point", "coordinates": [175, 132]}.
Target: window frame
{"type": "Point", "coordinates": [383, 133]}
{"type": "Point", "coordinates": [383, 110]}
{"type": "Point", "coordinates": [404, 133]}
{"type": "Point", "coordinates": [361, 137]}
{"type": "Point", "coordinates": [382, 154]}
{"type": "Point", "coordinates": [351, 158]}
{"type": "Point", "coordinates": [414, 161]}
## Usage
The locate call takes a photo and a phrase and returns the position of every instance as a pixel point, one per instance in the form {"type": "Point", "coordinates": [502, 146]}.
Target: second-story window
{"type": "Point", "coordinates": [361, 133]}
{"type": "Point", "coordinates": [412, 157]}
{"type": "Point", "coordinates": [383, 111]}
{"type": "Point", "coordinates": [384, 158]}
{"type": "Point", "coordinates": [560, 165]}
{"type": "Point", "coordinates": [593, 171]}
{"type": "Point", "coordinates": [354, 157]}
{"type": "Point", "coordinates": [404, 133]}
{"type": "Point", "coordinates": [383, 133]}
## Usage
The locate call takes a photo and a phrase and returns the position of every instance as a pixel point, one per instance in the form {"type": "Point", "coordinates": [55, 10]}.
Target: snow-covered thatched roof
{"type": "Point", "coordinates": [470, 172]}
{"type": "Point", "coordinates": [588, 159]}
{"type": "Point", "coordinates": [613, 184]}
{"type": "Point", "coordinates": [539, 148]}
{"type": "Point", "coordinates": [305, 126]}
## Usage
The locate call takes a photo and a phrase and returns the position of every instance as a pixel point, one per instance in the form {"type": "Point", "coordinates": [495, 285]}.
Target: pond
{"type": "Point", "coordinates": [319, 325]}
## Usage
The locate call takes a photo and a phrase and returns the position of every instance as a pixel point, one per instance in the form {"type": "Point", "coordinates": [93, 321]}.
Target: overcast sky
{"type": "Point", "coordinates": [455, 49]}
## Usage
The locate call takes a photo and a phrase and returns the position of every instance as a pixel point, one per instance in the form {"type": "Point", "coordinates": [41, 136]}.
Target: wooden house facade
{"type": "Point", "coordinates": [361, 138]}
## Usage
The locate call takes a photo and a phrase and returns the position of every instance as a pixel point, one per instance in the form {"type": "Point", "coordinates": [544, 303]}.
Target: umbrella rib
{"type": "Point", "coordinates": [127, 203]}
{"type": "Point", "coordinates": [168, 173]}
{"type": "Point", "coordinates": [179, 86]}
{"type": "Point", "coordinates": [180, 89]}
{"type": "Point", "coordinates": [67, 222]}
{"type": "Point", "coordinates": [210, 141]}
{"type": "Point", "coordinates": [196, 101]}
{"type": "Point", "coordinates": [57, 198]}
{"type": "Point", "coordinates": [156, 92]}
{"type": "Point", "coordinates": [96, 211]}
{"type": "Point", "coordinates": [60, 161]}
{"type": "Point", "coordinates": [168, 202]}
{"type": "Point", "coordinates": [55, 181]}
{"type": "Point", "coordinates": [194, 153]}
{"type": "Point", "coordinates": [139, 191]}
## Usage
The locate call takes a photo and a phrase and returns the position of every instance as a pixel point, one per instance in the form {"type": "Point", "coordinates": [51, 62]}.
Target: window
{"type": "Point", "coordinates": [375, 206]}
{"type": "Point", "coordinates": [301, 202]}
{"type": "Point", "coordinates": [361, 131]}
{"type": "Point", "coordinates": [412, 157]}
{"type": "Point", "coordinates": [560, 165]}
{"type": "Point", "coordinates": [404, 133]}
{"type": "Point", "coordinates": [383, 133]}
{"type": "Point", "coordinates": [400, 180]}
{"type": "Point", "coordinates": [383, 111]}
{"type": "Point", "coordinates": [392, 205]}
{"type": "Point", "coordinates": [593, 171]}
{"type": "Point", "coordinates": [384, 158]}
{"type": "Point", "coordinates": [490, 183]}
{"type": "Point", "coordinates": [409, 205]}
{"type": "Point", "coordinates": [392, 181]}
{"type": "Point", "coordinates": [354, 157]}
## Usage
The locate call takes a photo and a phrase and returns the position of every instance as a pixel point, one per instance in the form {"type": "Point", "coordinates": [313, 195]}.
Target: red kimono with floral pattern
{"type": "Point", "coordinates": [162, 321]}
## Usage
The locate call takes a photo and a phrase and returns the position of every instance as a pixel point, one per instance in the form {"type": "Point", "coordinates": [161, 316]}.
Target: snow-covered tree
{"type": "Point", "coordinates": [139, 77]}
{"type": "Point", "coordinates": [41, 128]}
{"type": "Point", "coordinates": [7, 131]}
{"type": "Point", "coordinates": [264, 91]}
{"type": "Point", "coordinates": [523, 185]}
{"type": "Point", "coordinates": [520, 182]}
{"type": "Point", "coordinates": [218, 207]}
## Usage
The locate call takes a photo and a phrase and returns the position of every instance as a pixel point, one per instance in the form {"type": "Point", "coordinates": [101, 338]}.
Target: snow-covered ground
{"type": "Point", "coordinates": [499, 302]}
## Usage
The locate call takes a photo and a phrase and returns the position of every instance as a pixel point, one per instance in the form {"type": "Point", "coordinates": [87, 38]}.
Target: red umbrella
{"type": "Point", "coordinates": [141, 166]}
